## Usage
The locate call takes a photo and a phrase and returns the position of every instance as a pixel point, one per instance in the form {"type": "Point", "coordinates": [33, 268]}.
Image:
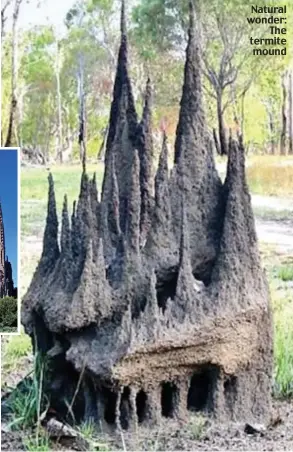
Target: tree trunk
{"type": "Point", "coordinates": [217, 144]}
{"type": "Point", "coordinates": [3, 18]}
{"type": "Point", "coordinates": [290, 112]}
{"type": "Point", "coordinates": [14, 74]}
{"type": "Point", "coordinates": [222, 130]}
{"type": "Point", "coordinates": [82, 119]}
{"type": "Point", "coordinates": [272, 133]}
{"type": "Point", "coordinates": [59, 107]}
{"type": "Point", "coordinates": [283, 141]}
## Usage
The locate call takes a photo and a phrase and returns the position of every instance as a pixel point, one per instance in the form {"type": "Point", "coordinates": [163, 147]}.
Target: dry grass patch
{"type": "Point", "coordinates": [271, 175]}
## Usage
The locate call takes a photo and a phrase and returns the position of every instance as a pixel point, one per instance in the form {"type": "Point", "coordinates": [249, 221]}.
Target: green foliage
{"type": "Point", "coordinates": [157, 37]}
{"type": "Point", "coordinates": [283, 347]}
{"type": "Point", "coordinates": [28, 401]}
{"type": "Point", "coordinates": [8, 312]}
{"type": "Point", "coordinates": [17, 347]}
{"type": "Point", "coordinates": [285, 273]}
{"type": "Point", "coordinates": [41, 443]}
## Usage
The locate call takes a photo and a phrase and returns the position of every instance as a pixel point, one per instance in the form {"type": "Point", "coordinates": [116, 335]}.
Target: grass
{"type": "Point", "coordinates": [8, 329]}
{"type": "Point", "coordinates": [271, 176]}
{"type": "Point", "coordinates": [34, 189]}
{"type": "Point", "coordinates": [285, 273]}
{"type": "Point", "coordinates": [88, 432]}
{"type": "Point", "coordinates": [283, 343]}
{"type": "Point", "coordinates": [28, 400]}
{"type": "Point", "coordinates": [40, 444]}
{"type": "Point", "coordinates": [197, 427]}
{"type": "Point", "coordinates": [17, 347]}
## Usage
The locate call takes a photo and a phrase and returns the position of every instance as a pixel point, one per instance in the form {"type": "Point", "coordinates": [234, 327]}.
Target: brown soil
{"type": "Point", "coordinates": [185, 436]}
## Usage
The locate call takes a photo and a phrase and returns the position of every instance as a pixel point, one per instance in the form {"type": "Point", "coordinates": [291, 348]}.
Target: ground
{"type": "Point", "coordinates": [271, 183]}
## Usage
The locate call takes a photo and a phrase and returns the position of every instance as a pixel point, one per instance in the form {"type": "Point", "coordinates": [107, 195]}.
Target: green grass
{"type": "Point", "coordinates": [34, 190]}
{"type": "Point", "coordinates": [28, 401]}
{"type": "Point", "coordinates": [41, 443]}
{"type": "Point", "coordinates": [285, 273]}
{"type": "Point", "coordinates": [278, 268]}
{"type": "Point", "coordinates": [17, 347]}
{"type": "Point", "coordinates": [7, 329]}
{"type": "Point", "coordinates": [283, 343]}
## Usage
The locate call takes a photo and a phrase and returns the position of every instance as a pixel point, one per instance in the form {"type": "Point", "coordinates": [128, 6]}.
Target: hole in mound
{"type": "Point", "coordinates": [125, 408]}
{"type": "Point", "coordinates": [201, 389]}
{"type": "Point", "coordinates": [169, 398]}
{"type": "Point", "coordinates": [110, 401]}
{"type": "Point", "coordinates": [166, 289]}
{"type": "Point", "coordinates": [141, 406]}
{"type": "Point", "coordinates": [230, 390]}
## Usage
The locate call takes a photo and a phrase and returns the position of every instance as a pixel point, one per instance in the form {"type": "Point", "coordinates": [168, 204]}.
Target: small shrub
{"type": "Point", "coordinates": [39, 443]}
{"type": "Point", "coordinates": [285, 273]}
{"type": "Point", "coordinates": [197, 427]}
{"type": "Point", "coordinates": [8, 312]}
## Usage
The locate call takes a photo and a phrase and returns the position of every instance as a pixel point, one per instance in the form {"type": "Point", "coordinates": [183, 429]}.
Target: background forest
{"type": "Point", "coordinates": [52, 79]}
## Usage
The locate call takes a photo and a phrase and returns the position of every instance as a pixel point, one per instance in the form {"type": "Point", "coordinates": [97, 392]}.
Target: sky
{"type": "Point", "coordinates": [9, 198]}
{"type": "Point", "coordinates": [40, 12]}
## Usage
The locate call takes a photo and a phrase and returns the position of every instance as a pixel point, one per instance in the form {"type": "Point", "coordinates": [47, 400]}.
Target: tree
{"type": "Point", "coordinates": [14, 73]}
{"type": "Point", "coordinates": [229, 66]}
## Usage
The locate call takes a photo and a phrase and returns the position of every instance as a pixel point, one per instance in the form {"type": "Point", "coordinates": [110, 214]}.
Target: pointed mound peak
{"type": "Point", "coordinates": [184, 253]}
{"type": "Point", "coordinates": [65, 229]}
{"type": "Point", "coordinates": [163, 162]}
{"type": "Point", "coordinates": [191, 30]}
{"type": "Point", "coordinates": [148, 98]}
{"type": "Point", "coordinates": [123, 27]}
{"type": "Point", "coordinates": [114, 206]}
{"type": "Point", "coordinates": [236, 163]}
{"type": "Point", "coordinates": [163, 170]}
{"type": "Point", "coordinates": [134, 207]}
{"type": "Point", "coordinates": [100, 264]}
{"type": "Point", "coordinates": [50, 243]}
{"type": "Point", "coordinates": [191, 120]}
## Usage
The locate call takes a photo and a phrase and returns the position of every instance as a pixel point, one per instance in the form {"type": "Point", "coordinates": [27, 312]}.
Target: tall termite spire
{"type": "Point", "coordinates": [239, 234]}
{"type": "Point", "coordinates": [123, 20]}
{"type": "Point", "coordinates": [134, 209]}
{"type": "Point", "coordinates": [122, 136]}
{"type": "Point", "coordinates": [191, 118]}
{"type": "Point", "coordinates": [194, 162]}
{"type": "Point", "coordinates": [145, 148]}
{"type": "Point", "coordinates": [51, 250]}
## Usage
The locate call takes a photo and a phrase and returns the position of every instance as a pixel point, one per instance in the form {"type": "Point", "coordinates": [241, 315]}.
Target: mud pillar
{"type": "Point", "coordinates": [219, 401]}
{"type": "Point", "coordinates": [133, 422]}
{"type": "Point", "coordinates": [154, 409]}
{"type": "Point", "coordinates": [117, 409]}
{"type": "Point", "coordinates": [181, 409]}
{"type": "Point", "coordinates": [90, 409]}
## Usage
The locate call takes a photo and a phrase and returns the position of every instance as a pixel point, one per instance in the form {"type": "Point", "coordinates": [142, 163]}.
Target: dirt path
{"type": "Point", "coordinates": [277, 228]}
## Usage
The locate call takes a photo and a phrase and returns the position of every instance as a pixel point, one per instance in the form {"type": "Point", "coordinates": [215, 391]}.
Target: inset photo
{"type": "Point", "coordinates": [9, 211]}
